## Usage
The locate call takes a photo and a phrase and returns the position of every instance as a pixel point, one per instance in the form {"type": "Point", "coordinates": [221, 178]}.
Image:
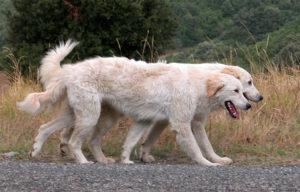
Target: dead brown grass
{"type": "Point", "coordinates": [272, 128]}
{"type": "Point", "coordinates": [269, 132]}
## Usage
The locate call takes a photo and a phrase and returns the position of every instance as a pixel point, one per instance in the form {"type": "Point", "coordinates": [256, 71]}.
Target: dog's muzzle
{"type": "Point", "coordinates": [258, 98]}
{"type": "Point", "coordinates": [248, 106]}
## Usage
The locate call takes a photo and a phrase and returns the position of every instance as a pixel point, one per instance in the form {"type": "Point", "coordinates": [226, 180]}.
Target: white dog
{"type": "Point", "coordinates": [179, 95]}
{"type": "Point", "coordinates": [249, 91]}
{"type": "Point", "coordinates": [108, 120]}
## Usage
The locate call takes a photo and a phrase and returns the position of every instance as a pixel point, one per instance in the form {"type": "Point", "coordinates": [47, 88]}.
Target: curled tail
{"type": "Point", "coordinates": [35, 103]}
{"type": "Point", "coordinates": [54, 86]}
{"type": "Point", "coordinates": [50, 67]}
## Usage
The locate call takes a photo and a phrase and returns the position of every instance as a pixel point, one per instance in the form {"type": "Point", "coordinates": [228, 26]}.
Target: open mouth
{"type": "Point", "coordinates": [231, 109]}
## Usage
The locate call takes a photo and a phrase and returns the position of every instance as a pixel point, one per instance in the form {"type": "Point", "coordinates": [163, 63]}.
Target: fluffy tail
{"type": "Point", "coordinates": [50, 71]}
{"type": "Point", "coordinates": [50, 66]}
{"type": "Point", "coordinates": [36, 102]}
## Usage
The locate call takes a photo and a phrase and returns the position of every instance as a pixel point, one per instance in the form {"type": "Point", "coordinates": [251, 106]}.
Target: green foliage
{"type": "Point", "coordinates": [203, 52]}
{"type": "Point", "coordinates": [284, 44]}
{"type": "Point", "coordinates": [4, 6]}
{"type": "Point", "coordinates": [237, 31]}
{"type": "Point", "coordinates": [103, 27]}
{"type": "Point", "coordinates": [233, 31]}
{"type": "Point", "coordinates": [198, 22]}
{"type": "Point", "coordinates": [245, 21]}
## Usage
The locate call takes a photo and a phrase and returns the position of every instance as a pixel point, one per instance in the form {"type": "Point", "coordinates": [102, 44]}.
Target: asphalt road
{"type": "Point", "coordinates": [35, 177]}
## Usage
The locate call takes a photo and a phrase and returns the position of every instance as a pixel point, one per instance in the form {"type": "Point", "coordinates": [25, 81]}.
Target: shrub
{"type": "Point", "coordinates": [103, 27]}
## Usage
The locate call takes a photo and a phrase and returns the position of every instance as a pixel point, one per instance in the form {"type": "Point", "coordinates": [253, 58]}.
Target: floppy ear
{"type": "Point", "coordinates": [213, 85]}
{"type": "Point", "coordinates": [231, 71]}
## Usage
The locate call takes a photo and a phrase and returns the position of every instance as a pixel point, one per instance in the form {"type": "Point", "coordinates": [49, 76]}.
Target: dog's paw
{"type": "Point", "coordinates": [213, 164]}
{"type": "Point", "coordinates": [35, 151]}
{"type": "Point", "coordinates": [86, 162]}
{"type": "Point", "coordinates": [110, 160]}
{"type": "Point", "coordinates": [127, 162]}
{"type": "Point", "coordinates": [224, 161]}
{"type": "Point", "coordinates": [31, 154]}
{"type": "Point", "coordinates": [147, 158]}
{"type": "Point", "coordinates": [90, 162]}
{"type": "Point", "coordinates": [210, 164]}
{"type": "Point", "coordinates": [106, 160]}
{"type": "Point", "coordinates": [63, 147]}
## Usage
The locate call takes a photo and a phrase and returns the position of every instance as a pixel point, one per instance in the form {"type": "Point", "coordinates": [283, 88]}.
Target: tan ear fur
{"type": "Point", "coordinates": [213, 85]}
{"type": "Point", "coordinates": [231, 71]}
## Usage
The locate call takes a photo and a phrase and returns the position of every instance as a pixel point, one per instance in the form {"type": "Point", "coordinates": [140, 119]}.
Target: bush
{"type": "Point", "coordinates": [103, 28]}
{"type": "Point", "coordinates": [207, 51]}
{"type": "Point", "coordinates": [283, 45]}
{"type": "Point", "coordinates": [5, 5]}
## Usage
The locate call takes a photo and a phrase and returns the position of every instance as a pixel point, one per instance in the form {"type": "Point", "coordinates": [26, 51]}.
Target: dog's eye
{"type": "Point", "coordinates": [250, 82]}
{"type": "Point", "coordinates": [236, 90]}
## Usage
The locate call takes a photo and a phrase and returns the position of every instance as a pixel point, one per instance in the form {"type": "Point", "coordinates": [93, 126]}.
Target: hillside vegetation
{"type": "Point", "coordinates": [217, 30]}
{"type": "Point", "coordinates": [228, 31]}
{"type": "Point", "coordinates": [5, 5]}
{"type": "Point", "coordinates": [135, 29]}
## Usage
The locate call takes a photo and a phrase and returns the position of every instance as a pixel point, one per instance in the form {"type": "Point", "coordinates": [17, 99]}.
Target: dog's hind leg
{"type": "Point", "coordinates": [135, 133]}
{"type": "Point", "coordinates": [64, 120]}
{"type": "Point", "coordinates": [87, 111]}
{"type": "Point", "coordinates": [65, 136]}
{"type": "Point", "coordinates": [151, 138]}
{"type": "Point", "coordinates": [198, 127]}
{"type": "Point", "coordinates": [188, 143]}
{"type": "Point", "coordinates": [108, 118]}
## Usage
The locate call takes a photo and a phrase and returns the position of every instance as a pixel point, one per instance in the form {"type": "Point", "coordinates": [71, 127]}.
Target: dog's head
{"type": "Point", "coordinates": [228, 92]}
{"type": "Point", "coordinates": [249, 90]}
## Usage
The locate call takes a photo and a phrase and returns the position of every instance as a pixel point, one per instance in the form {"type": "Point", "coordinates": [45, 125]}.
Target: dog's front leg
{"type": "Point", "coordinates": [187, 142]}
{"type": "Point", "coordinates": [96, 148]}
{"type": "Point", "coordinates": [198, 128]}
{"type": "Point", "coordinates": [151, 137]}
{"type": "Point", "coordinates": [109, 117]}
{"type": "Point", "coordinates": [135, 133]}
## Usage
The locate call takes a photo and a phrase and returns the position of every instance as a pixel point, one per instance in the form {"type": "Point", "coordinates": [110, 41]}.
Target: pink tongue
{"type": "Point", "coordinates": [233, 110]}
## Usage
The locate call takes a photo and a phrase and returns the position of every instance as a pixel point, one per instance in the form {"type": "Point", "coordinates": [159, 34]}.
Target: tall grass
{"type": "Point", "coordinates": [270, 131]}
{"type": "Point", "coordinates": [271, 128]}
{"type": "Point", "coordinates": [16, 128]}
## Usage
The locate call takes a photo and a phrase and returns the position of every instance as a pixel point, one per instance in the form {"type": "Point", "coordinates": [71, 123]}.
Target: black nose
{"type": "Point", "coordinates": [260, 98]}
{"type": "Point", "coordinates": [248, 106]}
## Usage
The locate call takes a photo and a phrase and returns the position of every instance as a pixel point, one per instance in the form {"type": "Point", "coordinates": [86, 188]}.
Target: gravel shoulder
{"type": "Point", "coordinates": [32, 176]}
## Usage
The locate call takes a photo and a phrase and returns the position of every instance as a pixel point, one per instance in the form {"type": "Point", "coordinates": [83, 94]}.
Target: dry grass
{"type": "Point", "coordinates": [269, 132]}
{"type": "Point", "coordinates": [271, 129]}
